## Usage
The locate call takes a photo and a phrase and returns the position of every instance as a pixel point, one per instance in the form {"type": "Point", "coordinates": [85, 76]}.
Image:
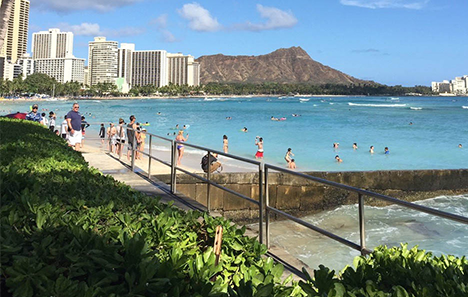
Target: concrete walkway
{"type": "Point", "coordinates": [110, 164]}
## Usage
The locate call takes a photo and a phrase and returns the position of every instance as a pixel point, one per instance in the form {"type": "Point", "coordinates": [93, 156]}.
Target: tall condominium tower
{"type": "Point", "coordinates": [16, 39]}
{"type": "Point", "coordinates": [149, 68]}
{"type": "Point", "coordinates": [183, 70]}
{"type": "Point", "coordinates": [102, 61]}
{"type": "Point", "coordinates": [52, 44]}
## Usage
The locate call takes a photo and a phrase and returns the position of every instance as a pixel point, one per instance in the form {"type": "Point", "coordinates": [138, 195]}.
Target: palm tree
{"type": "Point", "coordinates": [6, 7]}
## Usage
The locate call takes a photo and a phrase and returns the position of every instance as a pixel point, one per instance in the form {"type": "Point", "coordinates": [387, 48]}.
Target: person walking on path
{"type": "Point", "coordinates": [112, 138]}
{"type": "Point", "coordinates": [102, 133]}
{"type": "Point", "coordinates": [34, 115]}
{"type": "Point", "coordinates": [64, 128]}
{"type": "Point", "coordinates": [180, 147]}
{"type": "Point", "coordinates": [84, 125]}
{"type": "Point", "coordinates": [52, 118]}
{"type": "Point", "coordinates": [259, 144]}
{"type": "Point", "coordinates": [74, 126]}
{"type": "Point", "coordinates": [131, 130]}
{"type": "Point", "coordinates": [120, 136]}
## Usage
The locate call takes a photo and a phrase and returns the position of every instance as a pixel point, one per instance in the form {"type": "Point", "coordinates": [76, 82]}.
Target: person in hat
{"type": "Point", "coordinates": [34, 115]}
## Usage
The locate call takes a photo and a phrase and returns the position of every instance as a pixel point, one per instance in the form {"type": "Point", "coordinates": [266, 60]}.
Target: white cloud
{"type": "Point", "coordinates": [374, 4]}
{"type": "Point", "coordinates": [68, 6]}
{"type": "Point", "coordinates": [161, 27]}
{"type": "Point", "coordinates": [93, 29]}
{"type": "Point", "coordinates": [275, 19]}
{"type": "Point", "coordinates": [199, 18]}
{"type": "Point", "coordinates": [83, 29]}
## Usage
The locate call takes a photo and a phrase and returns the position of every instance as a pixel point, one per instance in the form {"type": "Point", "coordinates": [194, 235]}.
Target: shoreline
{"type": "Point", "coordinates": [2, 99]}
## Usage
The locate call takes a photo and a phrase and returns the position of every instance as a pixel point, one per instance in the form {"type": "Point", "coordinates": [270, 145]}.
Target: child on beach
{"type": "Point", "coordinates": [292, 164]}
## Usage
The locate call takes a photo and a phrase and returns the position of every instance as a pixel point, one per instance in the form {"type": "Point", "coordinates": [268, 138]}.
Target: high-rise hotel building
{"type": "Point", "coordinates": [16, 38]}
{"type": "Point", "coordinates": [53, 55]}
{"type": "Point", "coordinates": [183, 70]}
{"type": "Point", "coordinates": [149, 68]}
{"type": "Point", "coordinates": [102, 61]}
{"type": "Point", "coordinates": [52, 44]}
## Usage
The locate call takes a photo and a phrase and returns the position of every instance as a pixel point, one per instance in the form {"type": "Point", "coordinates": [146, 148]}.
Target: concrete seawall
{"type": "Point", "coordinates": [301, 197]}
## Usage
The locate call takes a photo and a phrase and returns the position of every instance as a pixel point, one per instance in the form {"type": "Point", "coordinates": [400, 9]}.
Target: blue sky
{"type": "Point", "coordinates": [406, 42]}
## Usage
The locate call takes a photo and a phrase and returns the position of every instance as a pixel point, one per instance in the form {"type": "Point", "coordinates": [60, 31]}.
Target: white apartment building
{"type": "Point", "coordinates": [27, 65]}
{"type": "Point", "coordinates": [458, 86]}
{"type": "Point", "coordinates": [149, 68]}
{"type": "Point", "coordinates": [182, 69]}
{"type": "Point", "coordinates": [102, 61]}
{"type": "Point", "coordinates": [52, 44]}
{"type": "Point", "coordinates": [62, 69]}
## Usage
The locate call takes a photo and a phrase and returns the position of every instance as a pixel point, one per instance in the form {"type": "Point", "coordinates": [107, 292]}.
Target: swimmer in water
{"type": "Point", "coordinates": [355, 146]}
{"type": "Point", "coordinates": [225, 144]}
{"type": "Point", "coordinates": [371, 149]}
{"type": "Point", "coordinates": [411, 123]}
{"type": "Point", "coordinates": [244, 129]}
{"type": "Point", "coordinates": [386, 151]}
{"type": "Point", "coordinates": [460, 145]}
{"type": "Point", "coordinates": [336, 145]}
{"type": "Point", "coordinates": [338, 159]}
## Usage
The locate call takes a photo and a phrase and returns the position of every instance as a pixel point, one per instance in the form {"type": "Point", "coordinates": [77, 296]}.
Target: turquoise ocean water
{"type": "Point", "coordinates": [431, 142]}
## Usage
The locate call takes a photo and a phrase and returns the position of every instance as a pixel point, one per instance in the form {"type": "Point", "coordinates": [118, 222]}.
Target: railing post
{"type": "Point", "coordinates": [362, 229]}
{"type": "Point", "coordinates": [149, 152]}
{"type": "Point", "coordinates": [260, 200]}
{"type": "Point", "coordinates": [267, 212]}
{"type": "Point", "coordinates": [173, 166]}
{"type": "Point", "coordinates": [208, 176]}
{"type": "Point", "coordinates": [133, 149]}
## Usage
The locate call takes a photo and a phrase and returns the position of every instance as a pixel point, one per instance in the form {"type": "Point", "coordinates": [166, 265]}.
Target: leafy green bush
{"type": "Point", "coordinates": [68, 230]}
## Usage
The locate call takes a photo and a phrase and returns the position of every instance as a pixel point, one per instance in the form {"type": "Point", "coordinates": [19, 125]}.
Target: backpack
{"type": "Point", "coordinates": [204, 163]}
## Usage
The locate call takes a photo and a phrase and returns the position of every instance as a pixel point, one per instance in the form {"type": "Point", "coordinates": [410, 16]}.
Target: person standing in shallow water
{"type": "Point", "coordinates": [288, 155]}
{"type": "Point", "coordinates": [259, 144]}
{"type": "Point", "coordinates": [371, 149]}
{"type": "Point", "coordinates": [225, 144]}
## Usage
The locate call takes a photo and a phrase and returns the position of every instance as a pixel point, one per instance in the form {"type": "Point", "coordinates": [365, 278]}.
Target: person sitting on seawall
{"type": "Point", "coordinates": [386, 151]}
{"type": "Point", "coordinates": [214, 166]}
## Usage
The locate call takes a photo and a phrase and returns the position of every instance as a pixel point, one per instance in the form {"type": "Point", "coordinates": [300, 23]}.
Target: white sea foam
{"type": "Point", "coordinates": [375, 105]}
{"type": "Point", "coordinates": [304, 100]}
{"type": "Point", "coordinates": [416, 108]}
{"type": "Point", "coordinates": [465, 107]}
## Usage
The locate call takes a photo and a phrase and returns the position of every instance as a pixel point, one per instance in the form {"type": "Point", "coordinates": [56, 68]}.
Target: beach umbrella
{"type": "Point", "coordinates": [17, 115]}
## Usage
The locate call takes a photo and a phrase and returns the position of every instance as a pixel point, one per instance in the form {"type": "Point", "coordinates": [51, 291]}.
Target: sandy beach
{"type": "Point", "coordinates": [191, 160]}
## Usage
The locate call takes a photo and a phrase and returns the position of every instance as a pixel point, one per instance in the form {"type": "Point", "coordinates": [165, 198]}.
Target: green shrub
{"type": "Point", "coordinates": [68, 230]}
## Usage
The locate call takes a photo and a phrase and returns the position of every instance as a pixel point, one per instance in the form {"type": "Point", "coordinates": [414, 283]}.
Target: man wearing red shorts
{"type": "Point", "coordinates": [259, 143]}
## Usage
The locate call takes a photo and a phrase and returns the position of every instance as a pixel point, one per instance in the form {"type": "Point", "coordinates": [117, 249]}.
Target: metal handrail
{"type": "Point", "coordinates": [208, 180]}
{"type": "Point", "coordinates": [362, 247]}
{"type": "Point", "coordinates": [263, 201]}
